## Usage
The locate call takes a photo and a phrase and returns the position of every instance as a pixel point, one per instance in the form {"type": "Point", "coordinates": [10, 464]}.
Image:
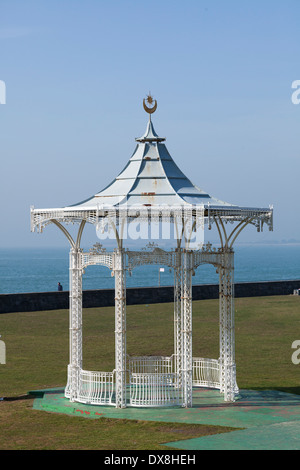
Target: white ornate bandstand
{"type": "Point", "coordinates": [151, 188]}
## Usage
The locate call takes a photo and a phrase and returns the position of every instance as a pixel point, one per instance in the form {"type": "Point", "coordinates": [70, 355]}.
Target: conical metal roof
{"type": "Point", "coordinates": [151, 177]}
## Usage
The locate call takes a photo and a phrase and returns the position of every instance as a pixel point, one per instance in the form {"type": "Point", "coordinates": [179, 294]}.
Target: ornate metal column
{"type": "Point", "coordinates": [120, 327]}
{"type": "Point", "coordinates": [227, 334]}
{"type": "Point", "coordinates": [187, 354]}
{"type": "Point", "coordinates": [75, 323]}
{"type": "Point", "coordinates": [177, 318]}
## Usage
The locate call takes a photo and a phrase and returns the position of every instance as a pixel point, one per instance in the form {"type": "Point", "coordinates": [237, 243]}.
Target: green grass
{"type": "Point", "coordinates": [23, 428]}
{"type": "Point", "coordinates": [37, 358]}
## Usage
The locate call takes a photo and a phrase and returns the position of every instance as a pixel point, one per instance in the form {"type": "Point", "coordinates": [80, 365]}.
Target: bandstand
{"type": "Point", "coordinates": [153, 190]}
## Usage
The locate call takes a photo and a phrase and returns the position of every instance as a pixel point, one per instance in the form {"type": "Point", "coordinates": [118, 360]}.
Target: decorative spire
{"type": "Point", "coordinates": [150, 134]}
{"type": "Point", "coordinates": [152, 102]}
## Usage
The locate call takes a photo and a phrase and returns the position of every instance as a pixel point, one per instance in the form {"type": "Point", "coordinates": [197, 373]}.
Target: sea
{"type": "Point", "coordinates": [24, 270]}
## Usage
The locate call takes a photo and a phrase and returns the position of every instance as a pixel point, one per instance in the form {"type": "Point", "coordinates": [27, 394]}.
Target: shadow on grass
{"type": "Point", "coordinates": [34, 394]}
{"type": "Point", "coordinates": [19, 398]}
{"type": "Point", "coordinates": [291, 390]}
{"type": "Point", "coordinates": [257, 397]}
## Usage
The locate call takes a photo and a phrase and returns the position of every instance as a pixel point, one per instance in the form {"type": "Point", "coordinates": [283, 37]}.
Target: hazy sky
{"type": "Point", "coordinates": [76, 73]}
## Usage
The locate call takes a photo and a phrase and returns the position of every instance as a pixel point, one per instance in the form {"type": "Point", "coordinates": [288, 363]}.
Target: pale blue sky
{"type": "Point", "coordinates": [76, 73]}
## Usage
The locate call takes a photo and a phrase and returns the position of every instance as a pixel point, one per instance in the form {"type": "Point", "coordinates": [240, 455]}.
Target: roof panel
{"type": "Point", "coordinates": [151, 169]}
{"type": "Point", "coordinates": [151, 186]}
{"type": "Point", "coordinates": [131, 170]}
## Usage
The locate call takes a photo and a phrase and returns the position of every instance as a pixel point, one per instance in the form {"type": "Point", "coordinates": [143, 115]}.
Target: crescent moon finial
{"type": "Point", "coordinates": [151, 102]}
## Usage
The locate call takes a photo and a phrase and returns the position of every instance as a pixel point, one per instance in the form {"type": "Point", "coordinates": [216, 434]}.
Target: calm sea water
{"type": "Point", "coordinates": [39, 270]}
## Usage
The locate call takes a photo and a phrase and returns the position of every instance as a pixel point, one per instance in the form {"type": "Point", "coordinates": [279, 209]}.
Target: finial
{"type": "Point", "coordinates": [151, 102]}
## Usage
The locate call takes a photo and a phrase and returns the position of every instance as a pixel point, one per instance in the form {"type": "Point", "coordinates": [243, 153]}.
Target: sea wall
{"type": "Point", "coordinates": [145, 295]}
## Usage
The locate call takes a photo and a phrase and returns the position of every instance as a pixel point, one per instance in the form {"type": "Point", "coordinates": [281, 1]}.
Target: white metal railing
{"type": "Point", "coordinates": [156, 389]}
{"type": "Point", "coordinates": [150, 364]}
{"type": "Point", "coordinates": [206, 372]}
{"type": "Point", "coordinates": [96, 388]}
{"type": "Point", "coordinates": [152, 381]}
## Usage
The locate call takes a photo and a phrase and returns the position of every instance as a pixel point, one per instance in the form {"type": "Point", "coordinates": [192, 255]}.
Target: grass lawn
{"type": "Point", "coordinates": [37, 349]}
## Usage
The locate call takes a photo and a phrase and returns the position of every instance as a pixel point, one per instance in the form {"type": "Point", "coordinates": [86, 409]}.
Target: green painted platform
{"type": "Point", "coordinates": [280, 436]}
{"type": "Point", "coordinates": [270, 419]}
